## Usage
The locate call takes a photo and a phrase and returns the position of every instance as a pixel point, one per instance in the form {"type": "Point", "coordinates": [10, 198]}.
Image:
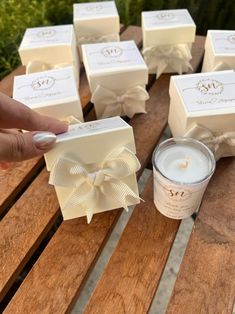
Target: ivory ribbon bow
{"type": "Point", "coordinates": [158, 58]}
{"type": "Point", "coordinates": [38, 66]}
{"type": "Point", "coordinates": [92, 190]}
{"type": "Point", "coordinates": [221, 66]}
{"type": "Point", "coordinates": [127, 104]}
{"type": "Point", "coordinates": [97, 39]}
{"type": "Point", "coordinates": [220, 144]}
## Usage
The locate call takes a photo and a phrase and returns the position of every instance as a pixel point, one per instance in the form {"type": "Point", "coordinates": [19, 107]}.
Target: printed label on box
{"type": "Point", "coordinates": [113, 55]}
{"type": "Point", "coordinates": [93, 127]}
{"type": "Point", "coordinates": [223, 42]}
{"type": "Point", "coordinates": [167, 18]}
{"type": "Point", "coordinates": [35, 88]}
{"type": "Point", "coordinates": [94, 9]}
{"type": "Point", "coordinates": [208, 92]}
{"type": "Point", "coordinates": [43, 36]}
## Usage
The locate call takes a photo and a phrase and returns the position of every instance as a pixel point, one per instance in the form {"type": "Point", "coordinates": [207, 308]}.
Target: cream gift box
{"type": "Point", "coordinates": [219, 51]}
{"type": "Point", "coordinates": [96, 22]}
{"type": "Point", "coordinates": [53, 93]}
{"type": "Point", "coordinates": [117, 76]}
{"type": "Point", "coordinates": [93, 168]}
{"type": "Point", "coordinates": [45, 48]}
{"type": "Point", "coordinates": [202, 106]}
{"type": "Point", "coordinates": [167, 39]}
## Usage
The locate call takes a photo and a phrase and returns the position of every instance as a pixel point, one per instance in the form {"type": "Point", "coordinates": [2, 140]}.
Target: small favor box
{"type": "Point", "coordinates": [53, 93]}
{"type": "Point", "coordinates": [117, 76]}
{"type": "Point", "coordinates": [45, 48]}
{"type": "Point", "coordinates": [167, 39]}
{"type": "Point", "coordinates": [93, 168]}
{"type": "Point", "coordinates": [96, 22]}
{"type": "Point", "coordinates": [219, 51]}
{"type": "Point", "coordinates": [202, 106]}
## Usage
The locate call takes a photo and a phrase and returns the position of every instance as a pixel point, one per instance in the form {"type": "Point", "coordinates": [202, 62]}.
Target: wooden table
{"type": "Point", "coordinates": [45, 261]}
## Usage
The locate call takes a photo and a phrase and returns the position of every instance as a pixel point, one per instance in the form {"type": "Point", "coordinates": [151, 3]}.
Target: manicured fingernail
{"type": "Point", "coordinates": [44, 140]}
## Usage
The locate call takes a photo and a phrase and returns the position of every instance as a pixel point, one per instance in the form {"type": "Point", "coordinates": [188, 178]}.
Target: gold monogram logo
{"type": "Point", "coordinates": [165, 16]}
{"type": "Point", "coordinates": [112, 52]}
{"type": "Point", "coordinates": [47, 33]}
{"type": "Point", "coordinates": [94, 8]}
{"type": "Point", "coordinates": [43, 83]}
{"type": "Point", "coordinates": [231, 39]}
{"type": "Point", "coordinates": [179, 194]}
{"type": "Point", "coordinates": [210, 87]}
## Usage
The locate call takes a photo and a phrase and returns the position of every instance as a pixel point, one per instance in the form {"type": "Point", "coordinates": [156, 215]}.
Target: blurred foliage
{"type": "Point", "coordinates": [17, 15]}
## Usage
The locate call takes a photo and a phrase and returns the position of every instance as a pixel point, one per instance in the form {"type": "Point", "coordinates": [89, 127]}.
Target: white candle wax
{"type": "Point", "coordinates": [183, 164]}
{"type": "Point", "coordinates": [182, 170]}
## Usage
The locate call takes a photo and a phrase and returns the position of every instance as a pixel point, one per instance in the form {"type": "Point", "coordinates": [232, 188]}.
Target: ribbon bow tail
{"type": "Point", "coordinates": [129, 103]}
{"type": "Point", "coordinates": [202, 134]}
{"type": "Point", "coordinates": [220, 145]}
{"type": "Point", "coordinates": [106, 98]}
{"type": "Point", "coordinates": [36, 66]}
{"type": "Point", "coordinates": [84, 199]}
{"type": "Point", "coordinates": [221, 66]}
{"type": "Point", "coordinates": [161, 67]}
{"type": "Point", "coordinates": [120, 193]}
{"type": "Point", "coordinates": [134, 101]}
{"type": "Point", "coordinates": [160, 57]}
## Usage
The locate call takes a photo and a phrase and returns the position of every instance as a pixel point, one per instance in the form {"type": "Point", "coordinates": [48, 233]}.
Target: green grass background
{"type": "Point", "coordinates": [17, 15]}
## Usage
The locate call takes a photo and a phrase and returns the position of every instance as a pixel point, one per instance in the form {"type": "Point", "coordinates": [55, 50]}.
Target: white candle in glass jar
{"type": "Point", "coordinates": [182, 170]}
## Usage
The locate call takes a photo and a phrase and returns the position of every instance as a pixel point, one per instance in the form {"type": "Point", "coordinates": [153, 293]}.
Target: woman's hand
{"type": "Point", "coordinates": [17, 146]}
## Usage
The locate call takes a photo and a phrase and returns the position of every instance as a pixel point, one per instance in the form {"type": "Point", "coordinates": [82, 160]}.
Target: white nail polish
{"type": "Point", "coordinates": [44, 139]}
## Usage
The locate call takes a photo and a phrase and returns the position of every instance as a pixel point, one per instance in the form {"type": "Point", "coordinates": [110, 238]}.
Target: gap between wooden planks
{"type": "Point", "coordinates": [20, 175]}
{"type": "Point", "coordinates": [206, 279]}
{"type": "Point", "coordinates": [70, 255]}
{"type": "Point", "coordinates": [14, 181]}
{"type": "Point", "coordinates": [23, 222]}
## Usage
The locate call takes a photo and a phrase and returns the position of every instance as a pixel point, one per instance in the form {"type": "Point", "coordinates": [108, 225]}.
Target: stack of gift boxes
{"type": "Point", "coordinates": [93, 166]}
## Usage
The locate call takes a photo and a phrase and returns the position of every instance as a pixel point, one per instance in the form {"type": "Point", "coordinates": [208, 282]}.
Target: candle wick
{"type": "Point", "coordinates": [184, 164]}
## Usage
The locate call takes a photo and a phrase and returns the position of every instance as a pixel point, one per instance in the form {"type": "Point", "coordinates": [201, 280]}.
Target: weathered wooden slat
{"type": "Point", "coordinates": [72, 258]}
{"type": "Point", "coordinates": [85, 96]}
{"type": "Point", "coordinates": [20, 175]}
{"type": "Point", "coordinates": [23, 227]}
{"type": "Point", "coordinates": [82, 261]}
{"type": "Point", "coordinates": [134, 294]}
{"type": "Point", "coordinates": [206, 280]}
{"type": "Point", "coordinates": [13, 180]}
{"type": "Point", "coordinates": [134, 270]}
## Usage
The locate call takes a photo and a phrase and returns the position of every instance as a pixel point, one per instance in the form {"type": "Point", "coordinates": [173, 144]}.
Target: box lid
{"type": "Point", "coordinates": [47, 36]}
{"type": "Point", "coordinates": [43, 88]}
{"type": "Point", "coordinates": [112, 57]}
{"type": "Point", "coordinates": [206, 93]}
{"type": "Point", "coordinates": [92, 141]}
{"type": "Point", "coordinates": [167, 19]}
{"type": "Point", "coordinates": [94, 10]}
{"type": "Point", "coordinates": [222, 42]}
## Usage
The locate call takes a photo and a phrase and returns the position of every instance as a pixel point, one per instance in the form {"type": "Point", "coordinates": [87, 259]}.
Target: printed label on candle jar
{"type": "Point", "coordinates": [177, 201]}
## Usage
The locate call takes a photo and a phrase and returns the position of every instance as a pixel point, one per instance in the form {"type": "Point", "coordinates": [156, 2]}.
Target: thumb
{"type": "Point", "coordinates": [21, 146]}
